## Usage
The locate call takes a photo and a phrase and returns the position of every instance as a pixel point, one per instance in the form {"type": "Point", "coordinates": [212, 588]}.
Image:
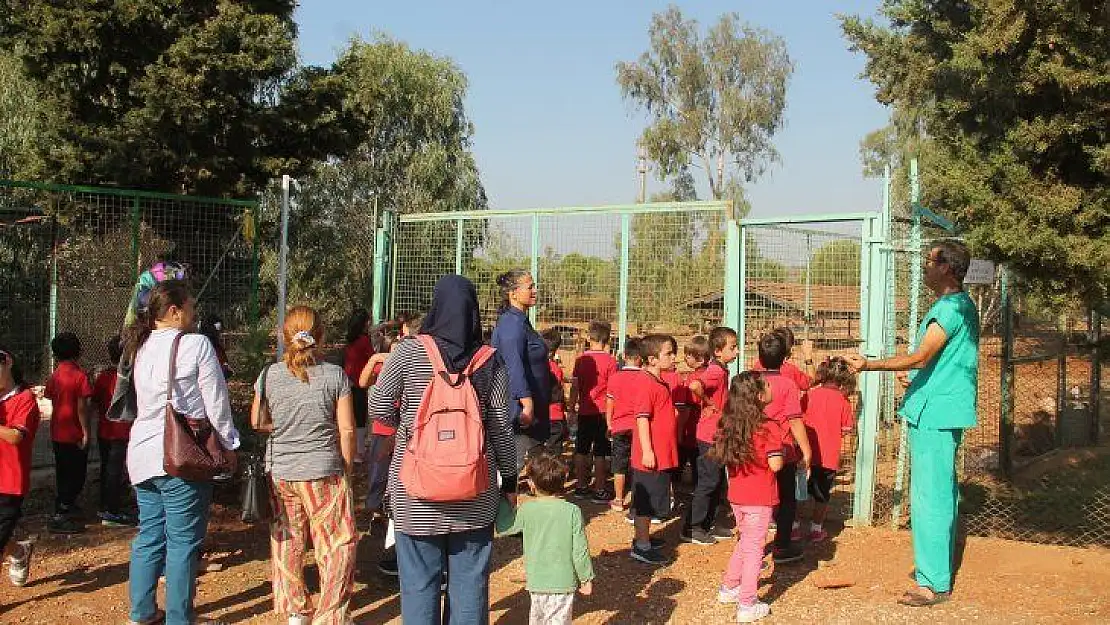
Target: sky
{"type": "Point", "coordinates": [550, 126]}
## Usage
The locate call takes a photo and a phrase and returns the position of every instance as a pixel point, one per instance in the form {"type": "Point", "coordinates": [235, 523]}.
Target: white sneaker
{"type": "Point", "coordinates": [752, 613]}
{"type": "Point", "coordinates": [19, 569]}
{"type": "Point", "coordinates": [728, 595]}
{"type": "Point", "coordinates": [299, 619]}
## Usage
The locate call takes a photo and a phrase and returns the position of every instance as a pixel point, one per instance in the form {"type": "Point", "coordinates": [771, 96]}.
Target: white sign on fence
{"type": "Point", "coordinates": [980, 272]}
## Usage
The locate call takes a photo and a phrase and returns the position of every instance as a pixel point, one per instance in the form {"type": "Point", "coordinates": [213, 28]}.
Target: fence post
{"type": "Point", "coordinates": [136, 220]}
{"type": "Point", "coordinates": [53, 286]}
{"type": "Point", "coordinates": [742, 286]}
{"type": "Point", "coordinates": [733, 294]}
{"type": "Point", "coordinates": [1006, 390]}
{"type": "Point", "coordinates": [622, 310]}
{"type": "Point", "coordinates": [252, 307]}
{"type": "Point", "coordinates": [283, 252]}
{"type": "Point", "coordinates": [1061, 380]}
{"type": "Point", "coordinates": [459, 246]}
{"type": "Point", "coordinates": [382, 269]}
{"type": "Point", "coordinates": [535, 267]}
{"type": "Point", "coordinates": [1094, 333]}
{"type": "Point", "coordinates": [873, 289]}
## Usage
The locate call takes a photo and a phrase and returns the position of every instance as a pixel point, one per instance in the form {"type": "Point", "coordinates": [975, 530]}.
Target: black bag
{"type": "Point", "coordinates": [255, 498]}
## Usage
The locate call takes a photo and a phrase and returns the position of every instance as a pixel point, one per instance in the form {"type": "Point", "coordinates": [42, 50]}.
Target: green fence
{"type": "Point", "coordinates": [70, 256]}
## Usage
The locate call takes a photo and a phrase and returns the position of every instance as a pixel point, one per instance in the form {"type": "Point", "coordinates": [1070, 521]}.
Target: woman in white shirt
{"type": "Point", "coordinates": [173, 512]}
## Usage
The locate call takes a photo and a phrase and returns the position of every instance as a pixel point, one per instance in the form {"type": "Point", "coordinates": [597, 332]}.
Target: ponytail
{"type": "Point", "coordinates": [507, 283]}
{"type": "Point", "coordinates": [301, 334]}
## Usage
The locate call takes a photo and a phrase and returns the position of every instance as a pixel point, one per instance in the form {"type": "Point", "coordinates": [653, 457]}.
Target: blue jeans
{"type": "Point", "coordinates": [422, 560]}
{"type": "Point", "coordinates": [173, 519]}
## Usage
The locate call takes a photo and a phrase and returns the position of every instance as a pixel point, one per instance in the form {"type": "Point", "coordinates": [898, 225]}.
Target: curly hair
{"type": "Point", "coordinates": [836, 371]}
{"type": "Point", "coordinates": [743, 415]}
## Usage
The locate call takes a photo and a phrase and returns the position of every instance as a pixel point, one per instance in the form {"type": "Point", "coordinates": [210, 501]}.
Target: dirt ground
{"type": "Point", "coordinates": [83, 579]}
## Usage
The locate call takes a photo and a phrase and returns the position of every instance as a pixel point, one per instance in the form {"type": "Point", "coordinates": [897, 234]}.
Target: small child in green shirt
{"type": "Point", "coordinates": [556, 554]}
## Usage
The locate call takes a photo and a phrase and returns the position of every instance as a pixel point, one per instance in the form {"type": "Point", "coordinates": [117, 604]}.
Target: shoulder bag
{"type": "Point", "coordinates": [191, 448]}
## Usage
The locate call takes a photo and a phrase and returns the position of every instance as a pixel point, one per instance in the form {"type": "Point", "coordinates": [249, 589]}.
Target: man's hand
{"type": "Point", "coordinates": [903, 378]}
{"type": "Point", "coordinates": [856, 362]}
{"type": "Point", "coordinates": [649, 459]}
{"type": "Point", "coordinates": [526, 414]}
{"type": "Point", "coordinates": [587, 588]}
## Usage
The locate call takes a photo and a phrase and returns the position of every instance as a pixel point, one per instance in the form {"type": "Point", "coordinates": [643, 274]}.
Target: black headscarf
{"type": "Point", "coordinates": [454, 321]}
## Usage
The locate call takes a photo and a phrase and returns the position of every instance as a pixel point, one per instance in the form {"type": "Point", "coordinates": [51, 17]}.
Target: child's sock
{"type": "Point", "coordinates": [816, 527]}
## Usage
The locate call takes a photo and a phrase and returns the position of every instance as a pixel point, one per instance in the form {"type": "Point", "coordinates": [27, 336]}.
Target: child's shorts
{"type": "Point", "coordinates": [551, 608]}
{"type": "Point", "coordinates": [821, 484]}
{"type": "Point", "coordinates": [622, 452]}
{"type": "Point", "coordinates": [593, 436]}
{"type": "Point", "coordinates": [11, 509]}
{"type": "Point", "coordinates": [651, 493]}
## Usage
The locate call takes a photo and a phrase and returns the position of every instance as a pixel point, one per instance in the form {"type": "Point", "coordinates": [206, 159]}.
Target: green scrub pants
{"type": "Point", "coordinates": [934, 495]}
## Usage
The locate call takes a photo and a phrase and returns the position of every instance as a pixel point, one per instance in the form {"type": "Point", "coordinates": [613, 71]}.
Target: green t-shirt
{"type": "Point", "coordinates": [943, 394]}
{"type": "Point", "coordinates": [556, 554]}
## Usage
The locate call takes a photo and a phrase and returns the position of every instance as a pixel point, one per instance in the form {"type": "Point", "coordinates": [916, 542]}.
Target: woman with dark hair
{"type": "Point", "coordinates": [436, 536]}
{"type": "Point", "coordinates": [356, 354]}
{"type": "Point", "coordinates": [173, 512]}
{"type": "Point", "coordinates": [525, 355]}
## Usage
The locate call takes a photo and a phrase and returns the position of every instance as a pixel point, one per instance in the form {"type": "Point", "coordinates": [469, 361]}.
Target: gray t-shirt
{"type": "Point", "coordinates": [305, 442]}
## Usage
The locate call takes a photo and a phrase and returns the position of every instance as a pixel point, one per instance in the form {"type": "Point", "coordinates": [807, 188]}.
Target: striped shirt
{"type": "Point", "coordinates": [394, 401]}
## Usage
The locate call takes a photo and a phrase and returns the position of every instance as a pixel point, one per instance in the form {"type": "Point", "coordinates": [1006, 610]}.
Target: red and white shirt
{"type": "Point", "coordinates": [592, 371]}
{"type": "Point", "coordinates": [67, 386]}
{"type": "Point", "coordinates": [653, 403]}
{"type": "Point", "coordinates": [828, 416]}
{"type": "Point", "coordinates": [714, 382]}
{"type": "Point", "coordinates": [19, 411]}
{"type": "Point", "coordinates": [753, 483]}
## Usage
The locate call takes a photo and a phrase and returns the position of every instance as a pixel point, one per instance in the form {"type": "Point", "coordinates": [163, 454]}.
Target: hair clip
{"type": "Point", "coordinates": [304, 336]}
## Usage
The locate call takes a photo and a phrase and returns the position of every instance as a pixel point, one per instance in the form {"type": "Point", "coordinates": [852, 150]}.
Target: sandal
{"type": "Point", "coordinates": [917, 598]}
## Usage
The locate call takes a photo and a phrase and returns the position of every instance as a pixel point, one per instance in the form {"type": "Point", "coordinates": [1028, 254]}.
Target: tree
{"type": "Point", "coordinates": [715, 101]}
{"type": "Point", "coordinates": [836, 263]}
{"type": "Point", "coordinates": [1012, 98]}
{"type": "Point", "coordinates": [24, 118]}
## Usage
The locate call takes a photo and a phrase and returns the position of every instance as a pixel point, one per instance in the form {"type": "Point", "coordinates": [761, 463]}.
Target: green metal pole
{"type": "Point", "coordinates": [53, 285]}
{"type": "Point", "coordinates": [459, 223]}
{"type": "Point", "coordinates": [252, 311]}
{"type": "Point", "coordinates": [911, 334]}
{"type": "Point", "coordinates": [873, 289]}
{"type": "Point", "coordinates": [809, 287]}
{"type": "Point", "coordinates": [1006, 390]}
{"type": "Point", "coordinates": [734, 291]}
{"type": "Point", "coordinates": [622, 304]}
{"type": "Point", "coordinates": [535, 267]}
{"type": "Point", "coordinates": [136, 219]}
{"type": "Point", "coordinates": [382, 275]}
{"type": "Point", "coordinates": [742, 286]}
{"type": "Point", "coordinates": [1094, 331]}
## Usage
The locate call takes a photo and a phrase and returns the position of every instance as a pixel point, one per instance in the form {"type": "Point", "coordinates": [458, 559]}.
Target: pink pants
{"type": "Point", "coordinates": [747, 556]}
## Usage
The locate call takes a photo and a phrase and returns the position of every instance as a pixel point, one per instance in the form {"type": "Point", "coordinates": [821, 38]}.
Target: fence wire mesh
{"type": "Point", "coordinates": [72, 254]}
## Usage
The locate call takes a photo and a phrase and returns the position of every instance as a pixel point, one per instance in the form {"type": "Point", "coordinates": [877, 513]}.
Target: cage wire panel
{"type": "Point", "coordinates": [84, 247]}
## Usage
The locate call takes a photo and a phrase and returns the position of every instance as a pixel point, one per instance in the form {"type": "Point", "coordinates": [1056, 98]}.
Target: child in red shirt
{"type": "Point", "coordinates": [19, 421]}
{"type": "Point", "coordinates": [749, 445]}
{"type": "Point", "coordinates": [378, 447]}
{"type": "Point", "coordinates": [709, 391]}
{"type": "Point", "coordinates": [589, 382]}
{"type": "Point", "coordinates": [111, 441]}
{"type": "Point", "coordinates": [620, 417]}
{"type": "Point", "coordinates": [789, 369]}
{"type": "Point", "coordinates": [828, 416]}
{"type": "Point", "coordinates": [654, 447]}
{"type": "Point", "coordinates": [696, 355]}
{"type": "Point", "coordinates": [68, 390]}
{"type": "Point", "coordinates": [557, 409]}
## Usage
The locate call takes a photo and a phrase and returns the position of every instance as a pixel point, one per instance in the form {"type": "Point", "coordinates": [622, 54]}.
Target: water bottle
{"type": "Point", "coordinates": [801, 487]}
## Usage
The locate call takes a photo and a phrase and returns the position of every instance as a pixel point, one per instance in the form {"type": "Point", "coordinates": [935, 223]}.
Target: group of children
{"type": "Point", "coordinates": [754, 440]}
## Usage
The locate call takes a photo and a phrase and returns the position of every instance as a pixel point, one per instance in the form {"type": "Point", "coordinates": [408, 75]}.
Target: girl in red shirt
{"type": "Point", "coordinates": [828, 415]}
{"type": "Point", "coordinates": [19, 420]}
{"type": "Point", "coordinates": [749, 445]}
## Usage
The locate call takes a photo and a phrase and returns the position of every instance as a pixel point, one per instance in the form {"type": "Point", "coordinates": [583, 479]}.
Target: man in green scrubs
{"type": "Point", "coordinates": [938, 406]}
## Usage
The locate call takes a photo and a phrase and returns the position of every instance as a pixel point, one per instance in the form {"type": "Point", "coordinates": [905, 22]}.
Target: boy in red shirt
{"type": "Point", "coordinates": [557, 409]}
{"type": "Point", "coordinates": [589, 382]}
{"type": "Point", "coordinates": [709, 391]}
{"type": "Point", "coordinates": [828, 417]}
{"type": "Point", "coordinates": [786, 410]}
{"type": "Point", "coordinates": [696, 355]}
{"type": "Point", "coordinates": [19, 420]}
{"type": "Point", "coordinates": [654, 447]}
{"type": "Point", "coordinates": [68, 390]}
{"type": "Point", "coordinates": [620, 417]}
{"type": "Point", "coordinates": [111, 441]}
{"type": "Point", "coordinates": [801, 378]}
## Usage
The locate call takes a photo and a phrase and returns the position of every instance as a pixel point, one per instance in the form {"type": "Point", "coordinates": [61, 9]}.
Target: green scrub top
{"type": "Point", "coordinates": [943, 394]}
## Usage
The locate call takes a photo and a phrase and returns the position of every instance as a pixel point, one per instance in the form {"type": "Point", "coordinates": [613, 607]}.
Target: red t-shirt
{"type": "Point", "coordinates": [592, 371]}
{"type": "Point", "coordinates": [828, 414]}
{"type": "Point", "coordinates": [652, 401]}
{"type": "Point", "coordinates": [355, 357]}
{"type": "Point", "coordinates": [785, 405]}
{"type": "Point", "coordinates": [377, 427]}
{"type": "Point", "coordinates": [103, 388]}
{"type": "Point", "coordinates": [20, 411]}
{"type": "Point", "coordinates": [680, 397]}
{"type": "Point", "coordinates": [557, 411]}
{"type": "Point", "coordinates": [714, 381]}
{"type": "Point", "coordinates": [789, 370]}
{"type": "Point", "coordinates": [65, 388]}
{"type": "Point", "coordinates": [623, 387]}
{"type": "Point", "coordinates": [689, 436]}
{"type": "Point", "coordinates": [753, 483]}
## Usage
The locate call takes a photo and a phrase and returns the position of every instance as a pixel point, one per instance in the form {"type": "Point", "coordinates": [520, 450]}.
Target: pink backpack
{"type": "Point", "coordinates": [446, 456]}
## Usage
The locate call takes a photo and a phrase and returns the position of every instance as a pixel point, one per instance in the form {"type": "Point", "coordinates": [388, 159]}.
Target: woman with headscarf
{"type": "Point", "coordinates": [433, 537]}
{"type": "Point", "coordinates": [525, 355]}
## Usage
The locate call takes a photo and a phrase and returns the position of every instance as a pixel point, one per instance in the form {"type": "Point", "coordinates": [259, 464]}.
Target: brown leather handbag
{"type": "Point", "coordinates": [191, 448]}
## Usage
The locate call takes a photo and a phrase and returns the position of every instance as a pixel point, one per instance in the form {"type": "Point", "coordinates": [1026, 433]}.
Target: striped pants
{"type": "Point", "coordinates": [324, 507]}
